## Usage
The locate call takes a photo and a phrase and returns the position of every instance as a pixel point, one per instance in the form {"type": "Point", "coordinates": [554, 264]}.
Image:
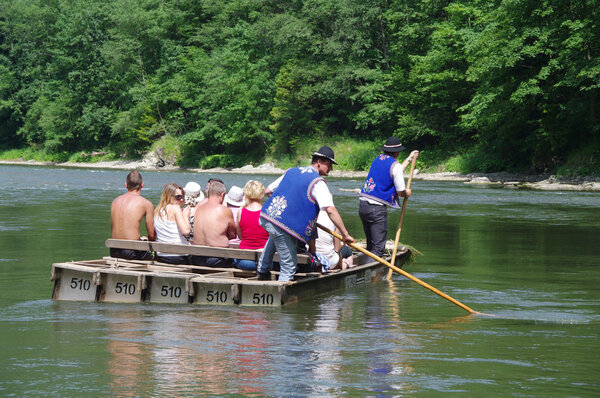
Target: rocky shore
{"type": "Point", "coordinates": [544, 182]}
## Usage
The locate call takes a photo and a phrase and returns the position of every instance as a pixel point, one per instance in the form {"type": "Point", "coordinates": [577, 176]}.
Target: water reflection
{"type": "Point", "coordinates": [128, 366]}
{"type": "Point", "coordinates": [186, 350]}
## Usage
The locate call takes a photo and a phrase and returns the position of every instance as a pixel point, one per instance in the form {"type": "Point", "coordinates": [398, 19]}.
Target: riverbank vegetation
{"type": "Point", "coordinates": [484, 85]}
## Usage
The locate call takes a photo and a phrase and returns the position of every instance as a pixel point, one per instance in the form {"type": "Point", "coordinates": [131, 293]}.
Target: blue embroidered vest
{"type": "Point", "coordinates": [379, 185]}
{"type": "Point", "coordinates": [291, 207]}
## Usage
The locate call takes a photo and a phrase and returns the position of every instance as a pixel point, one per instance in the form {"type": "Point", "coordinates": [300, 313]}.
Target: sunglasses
{"type": "Point", "coordinates": [178, 197]}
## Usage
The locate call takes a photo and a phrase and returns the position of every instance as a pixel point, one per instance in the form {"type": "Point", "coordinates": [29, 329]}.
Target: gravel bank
{"type": "Point", "coordinates": [544, 182]}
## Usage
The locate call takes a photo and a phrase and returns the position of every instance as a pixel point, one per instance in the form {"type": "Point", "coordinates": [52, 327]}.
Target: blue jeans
{"type": "Point", "coordinates": [285, 245]}
{"type": "Point", "coordinates": [246, 265]}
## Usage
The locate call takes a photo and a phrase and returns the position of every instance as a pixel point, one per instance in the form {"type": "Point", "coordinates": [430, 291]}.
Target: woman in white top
{"type": "Point", "coordinates": [172, 224]}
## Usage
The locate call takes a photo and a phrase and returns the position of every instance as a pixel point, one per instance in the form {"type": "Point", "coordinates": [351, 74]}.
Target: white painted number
{"type": "Point", "coordinates": [81, 284]}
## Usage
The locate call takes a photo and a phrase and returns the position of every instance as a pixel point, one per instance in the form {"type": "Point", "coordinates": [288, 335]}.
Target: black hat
{"type": "Point", "coordinates": [392, 144]}
{"type": "Point", "coordinates": [325, 152]}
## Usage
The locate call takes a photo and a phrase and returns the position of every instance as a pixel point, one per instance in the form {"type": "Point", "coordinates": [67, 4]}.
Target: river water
{"type": "Point", "coordinates": [531, 259]}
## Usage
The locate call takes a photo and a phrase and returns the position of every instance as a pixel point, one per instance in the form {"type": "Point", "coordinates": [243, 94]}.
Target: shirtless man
{"type": "Point", "coordinates": [126, 214]}
{"type": "Point", "coordinates": [214, 226]}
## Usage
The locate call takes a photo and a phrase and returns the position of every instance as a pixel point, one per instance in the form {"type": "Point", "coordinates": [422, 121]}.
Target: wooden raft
{"type": "Point", "coordinates": [132, 281]}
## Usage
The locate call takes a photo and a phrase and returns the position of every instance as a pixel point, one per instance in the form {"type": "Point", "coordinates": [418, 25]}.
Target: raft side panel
{"type": "Point", "coordinates": [167, 290]}
{"type": "Point", "coordinates": [121, 288]}
{"type": "Point", "coordinates": [263, 294]}
{"type": "Point", "coordinates": [214, 292]}
{"type": "Point", "coordinates": [72, 285]}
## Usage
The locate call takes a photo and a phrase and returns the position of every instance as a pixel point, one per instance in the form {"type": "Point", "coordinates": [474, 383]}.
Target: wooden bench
{"type": "Point", "coordinates": [194, 250]}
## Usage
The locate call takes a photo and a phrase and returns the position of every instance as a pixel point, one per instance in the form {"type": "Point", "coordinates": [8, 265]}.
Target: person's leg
{"type": "Point", "coordinates": [265, 262]}
{"type": "Point", "coordinates": [198, 260]}
{"type": "Point", "coordinates": [364, 213]}
{"type": "Point", "coordinates": [130, 254]}
{"type": "Point", "coordinates": [218, 262]}
{"type": "Point", "coordinates": [347, 259]}
{"type": "Point", "coordinates": [175, 260]}
{"type": "Point", "coordinates": [288, 258]}
{"type": "Point", "coordinates": [246, 265]}
{"type": "Point", "coordinates": [285, 245]}
{"type": "Point", "coordinates": [379, 228]}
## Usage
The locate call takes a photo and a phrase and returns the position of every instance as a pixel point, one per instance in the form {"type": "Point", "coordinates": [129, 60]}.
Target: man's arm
{"type": "Point", "coordinates": [238, 229]}
{"type": "Point", "coordinates": [273, 186]}
{"type": "Point", "coordinates": [404, 193]}
{"type": "Point", "coordinates": [150, 220]}
{"type": "Point", "coordinates": [411, 158]}
{"type": "Point", "coordinates": [337, 221]}
{"type": "Point", "coordinates": [231, 230]}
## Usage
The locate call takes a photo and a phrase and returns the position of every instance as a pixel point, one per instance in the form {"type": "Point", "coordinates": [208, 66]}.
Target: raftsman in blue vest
{"type": "Point", "coordinates": [292, 207]}
{"type": "Point", "coordinates": [379, 185]}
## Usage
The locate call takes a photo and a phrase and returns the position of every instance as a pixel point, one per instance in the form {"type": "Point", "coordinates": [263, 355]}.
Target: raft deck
{"type": "Point", "coordinates": [132, 281]}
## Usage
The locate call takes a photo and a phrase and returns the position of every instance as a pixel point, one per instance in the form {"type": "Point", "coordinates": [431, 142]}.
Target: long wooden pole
{"type": "Point", "coordinates": [401, 271]}
{"type": "Point", "coordinates": [410, 177]}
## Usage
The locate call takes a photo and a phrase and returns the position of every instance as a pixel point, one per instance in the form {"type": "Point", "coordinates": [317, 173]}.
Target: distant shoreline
{"type": "Point", "coordinates": [545, 182]}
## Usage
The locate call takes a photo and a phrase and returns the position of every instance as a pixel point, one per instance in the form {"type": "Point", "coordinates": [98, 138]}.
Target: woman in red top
{"type": "Point", "coordinates": [252, 235]}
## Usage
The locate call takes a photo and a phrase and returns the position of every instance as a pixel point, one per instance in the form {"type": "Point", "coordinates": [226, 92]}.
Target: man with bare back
{"type": "Point", "coordinates": [214, 226]}
{"type": "Point", "coordinates": [126, 214]}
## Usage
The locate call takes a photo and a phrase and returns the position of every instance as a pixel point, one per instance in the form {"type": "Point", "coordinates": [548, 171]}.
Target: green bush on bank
{"type": "Point", "coordinates": [584, 162]}
{"type": "Point", "coordinates": [37, 155]}
{"type": "Point", "coordinates": [43, 155]}
{"type": "Point", "coordinates": [351, 154]}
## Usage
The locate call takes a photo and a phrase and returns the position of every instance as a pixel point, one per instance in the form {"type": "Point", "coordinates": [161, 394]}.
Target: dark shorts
{"type": "Point", "coordinates": [345, 252]}
{"type": "Point", "coordinates": [173, 259]}
{"type": "Point", "coordinates": [130, 254]}
{"type": "Point", "coordinates": [215, 262]}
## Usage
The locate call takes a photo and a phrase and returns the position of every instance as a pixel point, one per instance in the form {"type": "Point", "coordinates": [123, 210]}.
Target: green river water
{"type": "Point", "coordinates": [530, 258]}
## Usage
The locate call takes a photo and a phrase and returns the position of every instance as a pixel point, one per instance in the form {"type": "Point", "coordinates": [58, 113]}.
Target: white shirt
{"type": "Point", "coordinates": [320, 192]}
{"type": "Point", "coordinates": [168, 232]}
{"type": "Point", "coordinates": [324, 242]}
{"type": "Point", "coordinates": [398, 176]}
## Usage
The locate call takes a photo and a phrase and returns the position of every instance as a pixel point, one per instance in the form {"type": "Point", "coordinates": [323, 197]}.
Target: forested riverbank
{"type": "Point", "coordinates": [482, 86]}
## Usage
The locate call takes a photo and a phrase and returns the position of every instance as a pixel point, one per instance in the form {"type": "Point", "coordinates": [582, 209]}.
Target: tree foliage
{"type": "Point", "coordinates": [509, 83]}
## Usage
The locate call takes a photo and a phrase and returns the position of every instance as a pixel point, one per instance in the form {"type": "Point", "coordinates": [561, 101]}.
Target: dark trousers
{"type": "Point", "coordinates": [215, 262]}
{"type": "Point", "coordinates": [374, 220]}
{"type": "Point", "coordinates": [130, 254]}
{"type": "Point", "coordinates": [175, 260]}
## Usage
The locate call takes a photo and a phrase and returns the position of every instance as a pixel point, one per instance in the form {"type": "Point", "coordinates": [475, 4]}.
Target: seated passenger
{"type": "Point", "coordinates": [126, 214]}
{"type": "Point", "coordinates": [193, 196]}
{"type": "Point", "coordinates": [234, 201]}
{"type": "Point", "coordinates": [252, 235]}
{"type": "Point", "coordinates": [340, 257]}
{"type": "Point", "coordinates": [171, 223]}
{"type": "Point", "coordinates": [214, 226]}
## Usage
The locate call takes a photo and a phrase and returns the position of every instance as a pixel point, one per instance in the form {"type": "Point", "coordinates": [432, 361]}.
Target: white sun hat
{"type": "Point", "coordinates": [235, 196]}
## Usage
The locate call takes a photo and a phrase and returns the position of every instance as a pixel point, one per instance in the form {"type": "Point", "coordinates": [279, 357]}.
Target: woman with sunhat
{"type": "Point", "coordinates": [193, 195]}
{"type": "Point", "coordinates": [383, 186]}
